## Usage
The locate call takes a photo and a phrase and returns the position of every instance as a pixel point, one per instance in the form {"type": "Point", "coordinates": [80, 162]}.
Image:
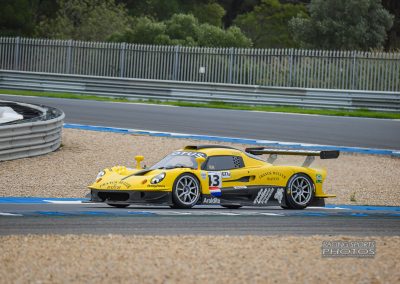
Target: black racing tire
{"type": "Point", "coordinates": [186, 191]}
{"type": "Point", "coordinates": [118, 205]}
{"type": "Point", "coordinates": [300, 191]}
{"type": "Point", "coordinates": [231, 206]}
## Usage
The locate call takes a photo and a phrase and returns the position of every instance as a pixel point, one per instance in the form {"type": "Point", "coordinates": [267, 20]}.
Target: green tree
{"type": "Point", "coordinates": [234, 8]}
{"type": "Point", "coordinates": [143, 30]}
{"type": "Point", "coordinates": [268, 24]}
{"type": "Point", "coordinates": [393, 39]}
{"type": "Point", "coordinates": [343, 24]}
{"type": "Point", "coordinates": [211, 13]}
{"type": "Point", "coordinates": [42, 9]}
{"type": "Point", "coordinates": [93, 20]}
{"type": "Point", "coordinates": [157, 9]}
{"type": "Point", "coordinates": [207, 11]}
{"type": "Point", "coordinates": [210, 35]}
{"type": "Point", "coordinates": [16, 18]}
{"type": "Point", "coordinates": [181, 29]}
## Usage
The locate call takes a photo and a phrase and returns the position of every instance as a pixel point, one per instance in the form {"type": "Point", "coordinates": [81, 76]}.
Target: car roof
{"type": "Point", "coordinates": [213, 150]}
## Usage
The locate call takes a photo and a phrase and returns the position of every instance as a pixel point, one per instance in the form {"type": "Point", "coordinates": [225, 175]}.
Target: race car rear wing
{"type": "Point", "coordinates": [310, 154]}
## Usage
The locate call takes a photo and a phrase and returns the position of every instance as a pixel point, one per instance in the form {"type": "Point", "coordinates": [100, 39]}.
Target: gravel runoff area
{"type": "Point", "coordinates": [190, 259]}
{"type": "Point", "coordinates": [354, 178]}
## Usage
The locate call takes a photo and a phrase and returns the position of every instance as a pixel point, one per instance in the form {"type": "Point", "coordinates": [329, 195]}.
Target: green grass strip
{"type": "Point", "coordinates": [214, 104]}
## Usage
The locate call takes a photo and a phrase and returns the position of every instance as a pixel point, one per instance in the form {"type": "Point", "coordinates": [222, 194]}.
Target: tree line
{"type": "Point", "coordinates": [313, 24]}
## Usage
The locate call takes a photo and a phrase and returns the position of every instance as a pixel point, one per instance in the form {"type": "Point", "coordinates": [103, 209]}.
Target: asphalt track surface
{"type": "Point", "coordinates": [327, 130]}
{"type": "Point", "coordinates": [74, 217]}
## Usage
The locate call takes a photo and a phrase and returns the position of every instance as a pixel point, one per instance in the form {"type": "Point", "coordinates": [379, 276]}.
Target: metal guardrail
{"type": "Point", "coordinates": [32, 137]}
{"type": "Point", "coordinates": [200, 92]}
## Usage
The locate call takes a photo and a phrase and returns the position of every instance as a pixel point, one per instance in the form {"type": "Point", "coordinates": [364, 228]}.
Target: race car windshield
{"type": "Point", "coordinates": [177, 160]}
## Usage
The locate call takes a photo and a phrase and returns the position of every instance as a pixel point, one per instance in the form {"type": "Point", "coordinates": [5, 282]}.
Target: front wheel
{"type": "Point", "coordinates": [300, 192]}
{"type": "Point", "coordinates": [186, 191]}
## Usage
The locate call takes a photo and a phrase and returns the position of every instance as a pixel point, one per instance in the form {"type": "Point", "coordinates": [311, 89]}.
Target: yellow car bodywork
{"type": "Point", "coordinates": [254, 174]}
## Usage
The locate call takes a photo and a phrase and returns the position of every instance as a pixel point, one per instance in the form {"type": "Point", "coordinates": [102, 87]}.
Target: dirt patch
{"type": "Point", "coordinates": [189, 259]}
{"type": "Point", "coordinates": [355, 179]}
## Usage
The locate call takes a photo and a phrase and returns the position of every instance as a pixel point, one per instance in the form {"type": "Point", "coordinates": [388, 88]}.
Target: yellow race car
{"type": "Point", "coordinates": [211, 174]}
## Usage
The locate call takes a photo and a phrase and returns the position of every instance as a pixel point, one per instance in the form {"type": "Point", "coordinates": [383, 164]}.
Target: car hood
{"type": "Point", "coordinates": [115, 179]}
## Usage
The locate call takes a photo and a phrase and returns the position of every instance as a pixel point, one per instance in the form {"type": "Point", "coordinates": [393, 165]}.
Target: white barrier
{"type": "Point", "coordinates": [32, 137]}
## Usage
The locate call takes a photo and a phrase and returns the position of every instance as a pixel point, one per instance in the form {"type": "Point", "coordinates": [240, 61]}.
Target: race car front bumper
{"type": "Point", "coordinates": [130, 196]}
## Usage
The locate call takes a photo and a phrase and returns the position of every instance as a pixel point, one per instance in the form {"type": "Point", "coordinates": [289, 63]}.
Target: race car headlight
{"type": "Point", "coordinates": [100, 174]}
{"type": "Point", "coordinates": [158, 178]}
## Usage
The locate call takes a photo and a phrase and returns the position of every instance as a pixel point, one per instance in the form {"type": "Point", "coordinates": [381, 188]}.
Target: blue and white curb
{"type": "Point", "coordinates": [51, 207]}
{"type": "Point", "coordinates": [39, 200]}
{"type": "Point", "coordinates": [65, 201]}
{"type": "Point", "coordinates": [290, 145]}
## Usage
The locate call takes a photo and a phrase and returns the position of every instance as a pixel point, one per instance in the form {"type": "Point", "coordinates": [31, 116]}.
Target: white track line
{"type": "Point", "coordinates": [227, 213]}
{"type": "Point", "coordinates": [63, 202]}
{"type": "Point", "coordinates": [272, 214]}
{"type": "Point", "coordinates": [327, 208]}
{"type": "Point", "coordinates": [10, 214]}
{"type": "Point", "coordinates": [177, 213]}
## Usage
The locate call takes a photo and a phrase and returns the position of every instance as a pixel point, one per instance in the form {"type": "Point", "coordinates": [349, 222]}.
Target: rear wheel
{"type": "Point", "coordinates": [186, 191]}
{"type": "Point", "coordinates": [300, 192]}
{"type": "Point", "coordinates": [118, 205]}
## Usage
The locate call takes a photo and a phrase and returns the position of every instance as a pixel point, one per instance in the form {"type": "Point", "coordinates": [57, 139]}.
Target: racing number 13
{"type": "Point", "coordinates": [214, 179]}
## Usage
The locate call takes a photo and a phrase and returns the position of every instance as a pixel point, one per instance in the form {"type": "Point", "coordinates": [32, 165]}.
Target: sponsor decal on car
{"type": "Point", "coordinates": [279, 195]}
{"type": "Point", "coordinates": [273, 174]}
{"type": "Point", "coordinates": [115, 185]}
{"type": "Point", "coordinates": [240, 187]}
{"type": "Point", "coordinates": [215, 191]}
{"type": "Point", "coordinates": [263, 195]}
{"type": "Point", "coordinates": [318, 178]}
{"type": "Point", "coordinates": [226, 174]}
{"type": "Point", "coordinates": [190, 154]}
{"type": "Point", "coordinates": [156, 185]}
{"type": "Point", "coordinates": [211, 200]}
{"type": "Point", "coordinates": [215, 183]}
{"type": "Point", "coordinates": [203, 175]}
{"type": "Point", "coordinates": [272, 178]}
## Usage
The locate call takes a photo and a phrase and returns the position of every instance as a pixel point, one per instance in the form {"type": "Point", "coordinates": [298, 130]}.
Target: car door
{"type": "Point", "coordinates": [232, 171]}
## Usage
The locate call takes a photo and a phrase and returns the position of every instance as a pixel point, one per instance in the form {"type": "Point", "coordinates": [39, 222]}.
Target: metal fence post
{"type": "Point", "coordinates": [69, 56]}
{"type": "Point", "coordinates": [353, 70]}
{"type": "Point", "coordinates": [122, 60]}
{"type": "Point", "coordinates": [290, 66]}
{"type": "Point", "coordinates": [16, 53]}
{"type": "Point", "coordinates": [230, 65]}
{"type": "Point", "coordinates": [176, 63]}
{"type": "Point", "coordinates": [250, 79]}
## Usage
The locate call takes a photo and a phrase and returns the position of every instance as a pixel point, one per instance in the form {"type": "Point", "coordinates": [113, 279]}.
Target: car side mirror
{"type": "Point", "coordinates": [199, 161]}
{"type": "Point", "coordinates": [138, 160]}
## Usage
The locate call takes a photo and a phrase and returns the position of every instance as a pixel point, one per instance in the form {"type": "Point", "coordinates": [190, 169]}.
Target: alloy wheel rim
{"type": "Point", "coordinates": [187, 190]}
{"type": "Point", "coordinates": [301, 190]}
